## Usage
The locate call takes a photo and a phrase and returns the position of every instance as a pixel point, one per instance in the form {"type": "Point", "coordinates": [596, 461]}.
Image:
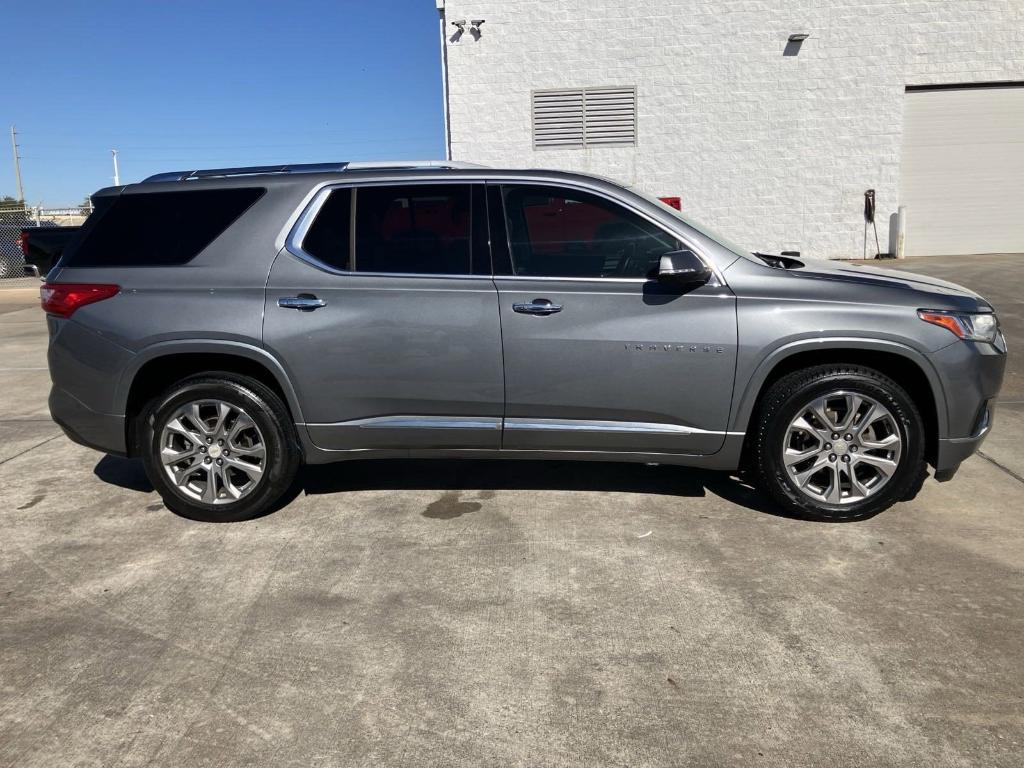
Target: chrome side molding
{"type": "Point", "coordinates": [496, 422]}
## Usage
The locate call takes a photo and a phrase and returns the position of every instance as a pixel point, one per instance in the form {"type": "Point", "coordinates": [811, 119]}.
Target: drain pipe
{"type": "Point", "coordinates": [443, 25]}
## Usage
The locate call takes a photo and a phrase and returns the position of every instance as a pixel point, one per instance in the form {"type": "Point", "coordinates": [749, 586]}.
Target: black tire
{"type": "Point", "coordinates": [263, 406]}
{"type": "Point", "coordinates": [780, 405]}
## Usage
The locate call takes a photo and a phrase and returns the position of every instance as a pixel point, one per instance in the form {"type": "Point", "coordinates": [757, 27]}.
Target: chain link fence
{"type": "Point", "coordinates": [13, 219]}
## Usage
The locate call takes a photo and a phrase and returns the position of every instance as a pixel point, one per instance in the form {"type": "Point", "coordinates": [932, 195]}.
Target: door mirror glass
{"type": "Point", "coordinates": [683, 267]}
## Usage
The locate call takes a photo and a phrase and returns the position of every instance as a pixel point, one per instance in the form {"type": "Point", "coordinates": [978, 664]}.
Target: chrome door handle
{"type": "Point", "coordinates": [304, 302]}
{"type": "Point", "coordinates": [537, 307]}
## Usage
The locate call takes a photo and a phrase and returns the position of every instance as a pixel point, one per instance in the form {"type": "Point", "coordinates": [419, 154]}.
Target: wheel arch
{"type": "Point", "coordinates": [163, 364]}
{"type": "Point", "coordinates": [909, 368]}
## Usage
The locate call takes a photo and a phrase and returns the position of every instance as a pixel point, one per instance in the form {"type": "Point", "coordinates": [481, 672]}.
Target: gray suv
{"type": "Point", "coordinates": [227, 325]}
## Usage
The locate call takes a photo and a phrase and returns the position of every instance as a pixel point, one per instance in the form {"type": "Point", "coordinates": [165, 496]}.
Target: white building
{"type": "Point", "coordinates": [769, 139]}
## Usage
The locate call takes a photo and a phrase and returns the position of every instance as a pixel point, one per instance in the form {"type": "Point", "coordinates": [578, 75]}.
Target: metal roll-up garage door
{"type": "Point", "coordinates": [962, 178]}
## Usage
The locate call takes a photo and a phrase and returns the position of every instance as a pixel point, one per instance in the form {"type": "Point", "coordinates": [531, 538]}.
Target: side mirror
{"type": "Point", "coordinates": [683, 267]}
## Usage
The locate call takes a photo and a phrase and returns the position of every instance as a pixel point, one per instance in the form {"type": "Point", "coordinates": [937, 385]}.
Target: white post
{"type": "Point", "coordinates": [901, 232]}
{"type": "Point", "coordinates": [117, 176]}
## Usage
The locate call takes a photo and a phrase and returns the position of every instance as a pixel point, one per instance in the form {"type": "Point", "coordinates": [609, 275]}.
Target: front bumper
{"type": "Point", "coordinates": [100, 431]}
{"type": "Point", "coordinates": [972, 374]}
{"type": "Point", "coordinates": [952, 451]}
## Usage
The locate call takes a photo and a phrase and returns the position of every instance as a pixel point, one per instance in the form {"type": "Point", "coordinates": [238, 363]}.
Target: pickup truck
{"type": "Point", "coordinates": [42, 247]}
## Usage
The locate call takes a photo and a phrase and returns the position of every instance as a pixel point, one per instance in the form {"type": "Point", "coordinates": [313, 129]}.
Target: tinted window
{"type": "Point", "coordinates": [415, 229]}
{"type": "Point", "coordinates": [328, 237]}
{"type": "Point", "coordinates": [564, 233]}
{"type": "Point", "coordinates": [157, 228]}
{"type": "Point", "coordinates": [419, 229]}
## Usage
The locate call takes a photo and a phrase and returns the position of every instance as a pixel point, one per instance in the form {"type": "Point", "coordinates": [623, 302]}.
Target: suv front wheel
{"type": "Point", "coordinates": [219, 447]}
{"type": "Point", "coordinates": [839, 442]}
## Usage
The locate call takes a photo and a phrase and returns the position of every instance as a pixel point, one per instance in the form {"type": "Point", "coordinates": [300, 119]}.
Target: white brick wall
{"type": "Point", "coordinates": [773, 151]}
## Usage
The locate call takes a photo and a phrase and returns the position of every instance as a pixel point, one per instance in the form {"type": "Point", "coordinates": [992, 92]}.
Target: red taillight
{"type": "Point", "coordinates": [62, 299]}
{"type": "Point", "coordinates": [23, 242]}
{"type": "Point", "coordinates": [675, 202]}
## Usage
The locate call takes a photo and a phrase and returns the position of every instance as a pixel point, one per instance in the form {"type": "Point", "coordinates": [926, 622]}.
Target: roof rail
{"type": "Point", "coordinates": [218, 173]}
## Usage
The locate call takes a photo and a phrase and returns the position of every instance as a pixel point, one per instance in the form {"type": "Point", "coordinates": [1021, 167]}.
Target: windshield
{"type": "Point", "coordinates": [739, 250]}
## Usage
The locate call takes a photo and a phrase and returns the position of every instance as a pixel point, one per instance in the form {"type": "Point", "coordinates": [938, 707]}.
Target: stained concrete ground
{"type": "Point", "coordinates": [496, 614]}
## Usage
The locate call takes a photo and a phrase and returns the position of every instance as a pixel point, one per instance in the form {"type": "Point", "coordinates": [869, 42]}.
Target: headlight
{"type": "Point", "coordinates": [970, 326]}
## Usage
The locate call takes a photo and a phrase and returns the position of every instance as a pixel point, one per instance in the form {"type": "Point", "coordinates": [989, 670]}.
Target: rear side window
{"type": "Point", "coordinates": [157, 228]}
{"type": "Point", "coordinates": [423, 229]}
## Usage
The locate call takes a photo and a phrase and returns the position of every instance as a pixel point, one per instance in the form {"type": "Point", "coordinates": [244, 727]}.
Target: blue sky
{"type": "Point", "coordinates": [208, 84]}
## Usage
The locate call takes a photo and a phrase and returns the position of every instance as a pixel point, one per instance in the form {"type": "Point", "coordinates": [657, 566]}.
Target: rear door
{"type": "Point", "coordinates": [384, 313]}
{"type": "Point", "coordinates": [598, 354]}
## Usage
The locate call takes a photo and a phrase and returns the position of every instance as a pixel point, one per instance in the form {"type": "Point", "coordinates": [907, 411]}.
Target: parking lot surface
{"type": "Point", "coordinates": [505, 613]}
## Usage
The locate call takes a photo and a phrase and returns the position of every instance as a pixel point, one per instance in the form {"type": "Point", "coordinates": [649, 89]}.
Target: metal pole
{"type": "Point", "coordinates": [117, 176]}
{"type": "Point", "coordinates": [446, 111]}
{"type": "Point", "coordinates": [17, 164]}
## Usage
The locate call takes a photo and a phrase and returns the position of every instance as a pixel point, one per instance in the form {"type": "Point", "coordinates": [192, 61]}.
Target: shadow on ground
{"type": "Point", "coordinates": [488, 475]}
{"type": "Point", "coordinates": [124, 473]}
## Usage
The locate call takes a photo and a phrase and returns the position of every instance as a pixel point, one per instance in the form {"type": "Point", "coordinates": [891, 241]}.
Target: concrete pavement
{"type": "Point", "coordinates": [504, 613]}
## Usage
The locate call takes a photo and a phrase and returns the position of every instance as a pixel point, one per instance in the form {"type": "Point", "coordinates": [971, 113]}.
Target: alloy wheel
{"type": "Point", "coordinates": [213, 451]}
{"type": "Point", "coordinates": [842, 448]}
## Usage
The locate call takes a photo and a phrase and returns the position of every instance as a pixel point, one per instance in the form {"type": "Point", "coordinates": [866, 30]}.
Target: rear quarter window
{"type": "Point", "coordinates": [157, 228]}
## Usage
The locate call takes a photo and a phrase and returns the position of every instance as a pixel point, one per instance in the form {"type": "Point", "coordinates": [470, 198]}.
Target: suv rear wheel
{"type": "Point", "coordinates": [219, 447]}
{"type": "Point", "coordinates": [839, 442]}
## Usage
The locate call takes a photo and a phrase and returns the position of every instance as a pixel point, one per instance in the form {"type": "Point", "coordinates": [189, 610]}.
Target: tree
{"type": "Point", "coordinates": [85, 206]}
{"type": "Point", "coordinates": [11, 202]}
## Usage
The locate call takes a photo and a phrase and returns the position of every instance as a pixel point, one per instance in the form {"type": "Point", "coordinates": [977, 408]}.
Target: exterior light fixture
{"type": "Point", "coordinates": [798, 37]}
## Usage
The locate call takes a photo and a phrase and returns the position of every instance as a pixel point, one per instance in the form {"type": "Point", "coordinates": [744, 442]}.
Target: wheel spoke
{"type": "Point", "coordinates": [254, 471]}
{"type": "Point", "coordinates": [254, 452]}
{"type": "Point", "coordinates": [803, 477]}
{"type": "Point", "coordinates": [223, 410]}
{"type": "Point", "coordinates": [819, 410]}
{"type": "Point", "coordinates": [792, 457]}
{"type": "Point", "coordinates": [176, 427]}
{"type": "Point", "coordinates": [241, 424]}
{"type": "Point", "coordinates": [875, 412]}
{"type": "Point", "coordinates": [171, 456]}
{"type": "Point", "coordinates": [889, 441]}
{"type": "Point", "coordinates": [835, 490]}
{"type": "Point", "coordinates": [885, 466]}
{"type": "Point", "coordinates": [210, 491]}
{"type": "Point", "coordinates": [197, 419]}
{"type": "Point", "coordinates": [801, 424]}
{"type": "Point", "coordinates": [853, 404]}
{"type": "Point", "coordinates": [857, 488]}
{"type": "Point", "coordinates": [182, 474]}
{"type": "Point", "coordinates": [233, 492]}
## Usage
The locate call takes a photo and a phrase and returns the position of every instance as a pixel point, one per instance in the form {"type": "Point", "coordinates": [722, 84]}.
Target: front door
{"type": "Point", "coordinates": [599, 355]}
{"type": "Point", "coordinates": [386, 319]}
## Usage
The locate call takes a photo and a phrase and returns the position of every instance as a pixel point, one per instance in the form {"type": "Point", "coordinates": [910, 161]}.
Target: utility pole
{"type": "Point", "coordinates": [17, 164]}
{"type": "Point", "coordinates": [117, 176]}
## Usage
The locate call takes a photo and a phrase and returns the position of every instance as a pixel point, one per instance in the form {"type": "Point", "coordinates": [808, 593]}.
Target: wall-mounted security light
{"type": "Point", "coordinates": [795, 41]}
